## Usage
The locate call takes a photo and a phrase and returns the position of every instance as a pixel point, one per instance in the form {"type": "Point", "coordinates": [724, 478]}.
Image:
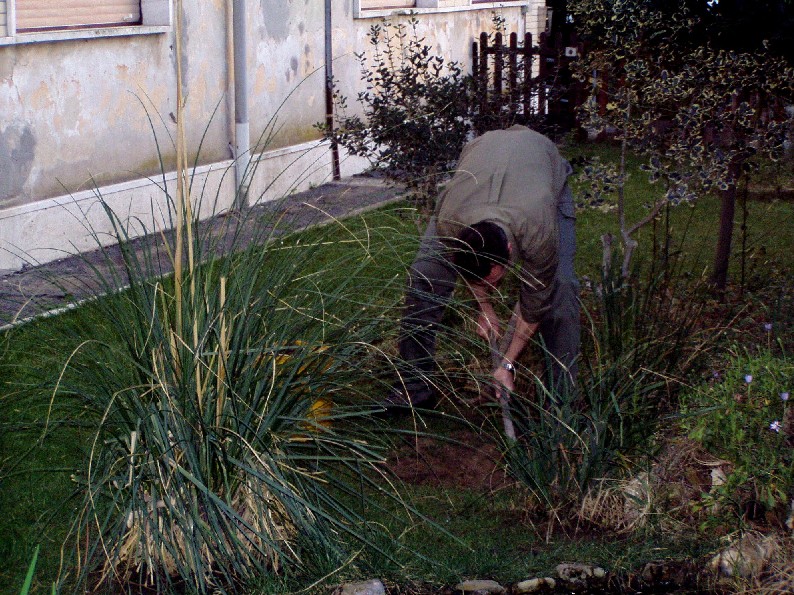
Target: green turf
{"type": "Point", "coordinates": [36, 488]}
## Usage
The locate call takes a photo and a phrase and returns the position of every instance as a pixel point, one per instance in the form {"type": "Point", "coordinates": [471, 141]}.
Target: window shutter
{"type": "Point", "coordinates": [3, 18]}
{"type": "Point", "coordinates": [375, 4]}
{"type": "Point", "coordinates": [63, 14]}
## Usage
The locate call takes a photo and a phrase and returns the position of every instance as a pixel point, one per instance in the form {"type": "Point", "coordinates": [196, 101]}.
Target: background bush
{"type": "Point", "coordinates": [415, 110]}
{"type": "Point", "coordinates": [742, 415]}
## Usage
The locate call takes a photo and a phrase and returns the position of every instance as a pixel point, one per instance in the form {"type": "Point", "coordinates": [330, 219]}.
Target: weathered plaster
{"type": "Point", "coordinates": [74, 114]}
{"type": "Point", "coordinates": [276, 21]}
{"type": "Point", "coordinates": [8, 60]}
{"type": "Point", "coordinates": [17, 152]}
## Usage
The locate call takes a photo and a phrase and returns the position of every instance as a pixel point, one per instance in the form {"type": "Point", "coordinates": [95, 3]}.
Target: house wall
{"type": "Point", "coordinates": [92, 114]}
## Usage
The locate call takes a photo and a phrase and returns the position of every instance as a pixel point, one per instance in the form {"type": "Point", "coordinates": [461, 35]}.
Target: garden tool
{"type": "Point", "coordinates": [502, 394]}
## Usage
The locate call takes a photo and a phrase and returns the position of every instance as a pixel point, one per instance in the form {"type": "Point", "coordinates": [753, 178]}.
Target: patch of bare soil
{"type": "Point", "coordinates": [463, 459]}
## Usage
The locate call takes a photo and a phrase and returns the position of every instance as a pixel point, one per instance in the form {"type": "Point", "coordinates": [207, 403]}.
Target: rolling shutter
{"type": "Point", "coordinates": [34, 15]}
{"type": "Point", "coordinates": [374, 4]}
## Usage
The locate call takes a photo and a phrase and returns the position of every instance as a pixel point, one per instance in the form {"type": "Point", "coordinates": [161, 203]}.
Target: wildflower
{"type": "Point", "coordinates": [768, 327]}
{"type": "Point", "coordinates": [715, 374]}
{"type": "Point", "coordinates": [784, 396]}
{"type": "Point", "coordinates": [775, 426]}
{"type": "Point", "coordinates": [748, 378]}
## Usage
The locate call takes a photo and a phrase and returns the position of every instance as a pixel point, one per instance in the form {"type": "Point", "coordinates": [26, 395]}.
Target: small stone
{"type": "Point", "coordinates": [637, 498]}
{"type": "Point", "coordinates": [370, 587]}
{"type": "Point", "coordinates": [484, 587]}
{"type": "Point", "coordinates": [745, 558]}
{"type": "Point", "coordinates": [654, 572]}
{"type": "Point", "coordinates": [536, 585]}
{"type": "Point", "coordinates": [718, 477]}
{"type": "Point", "coordinates": [578, 573]}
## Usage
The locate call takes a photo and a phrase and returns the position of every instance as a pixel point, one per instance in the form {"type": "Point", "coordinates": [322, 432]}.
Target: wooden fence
{"type": "Point", "coordinates": [524, 83]}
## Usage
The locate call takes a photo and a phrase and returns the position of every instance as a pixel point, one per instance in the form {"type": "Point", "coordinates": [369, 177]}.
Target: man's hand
{"type": "Point", "coordinates": [488, 324]}
{"type": "Point", "coordinates": [505, 383]}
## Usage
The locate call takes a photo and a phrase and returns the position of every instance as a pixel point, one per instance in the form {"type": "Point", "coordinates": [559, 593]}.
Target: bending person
{"type": "Point", "coordinates": [508, 202]}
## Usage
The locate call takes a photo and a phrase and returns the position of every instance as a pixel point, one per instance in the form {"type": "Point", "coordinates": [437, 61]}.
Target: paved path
{"type": "Point", "coordinates": [53, 287]}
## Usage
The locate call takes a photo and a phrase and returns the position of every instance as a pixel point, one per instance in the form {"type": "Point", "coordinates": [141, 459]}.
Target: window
{"type": "Point", "coordinates": [383, 4]}
{"type": "Point", "coordinates": [379, 8]}
{"type": "Point", "coordinates": [25, 21]}
{"type": "Point", "coordinates": [36, 15]}
{"type": "Point", "coordinates": [3, 18]}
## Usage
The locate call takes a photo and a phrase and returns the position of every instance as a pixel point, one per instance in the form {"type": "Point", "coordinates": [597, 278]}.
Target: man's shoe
{"type": "Point", "coordinates": [397, 402]}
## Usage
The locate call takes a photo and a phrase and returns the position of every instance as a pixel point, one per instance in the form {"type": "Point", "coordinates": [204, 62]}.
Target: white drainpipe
{"type": "Point", "coordinates": [241, 124]}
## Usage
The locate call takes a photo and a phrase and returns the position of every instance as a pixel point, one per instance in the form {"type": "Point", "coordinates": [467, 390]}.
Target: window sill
{"type": "Point", "coordinates": [92, 33]}
{"type": "Point", "coordinates": [435, 7]}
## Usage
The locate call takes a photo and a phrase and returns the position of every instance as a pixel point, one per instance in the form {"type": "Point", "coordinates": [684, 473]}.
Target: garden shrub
{"type": "Point", "coordinates": [742, 415]}
{"type": "Point", "coordinates": [414, 122]}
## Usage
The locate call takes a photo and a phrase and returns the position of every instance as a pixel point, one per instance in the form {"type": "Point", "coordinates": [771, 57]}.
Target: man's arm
{"type": "Point", "coordinates": [488, 321]}
{"type": "Point", "coordinates": [521, 335]}
{"type": "Point", "coordinates": [488, 324]}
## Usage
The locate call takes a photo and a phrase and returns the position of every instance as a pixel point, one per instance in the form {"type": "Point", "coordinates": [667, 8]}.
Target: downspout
{"type": "Point", "coordinates": [329, 87]}
{"type": "Point", "coordinates": [230, 77]}
{"type": "Point", "coordinates": [242, 141]}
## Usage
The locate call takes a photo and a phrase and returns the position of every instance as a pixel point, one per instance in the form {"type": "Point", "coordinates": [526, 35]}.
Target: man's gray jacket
{"type": "Point", "coordinates": [513, 178]}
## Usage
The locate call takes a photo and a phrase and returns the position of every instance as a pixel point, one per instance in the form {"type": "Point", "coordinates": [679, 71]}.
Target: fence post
{"type": "Point", "coordinates": [542, 74]}
{"type": "Point", "coordinates": [483, 75]}
{"type": "Point", "coordinates": [526, 84]}
{"type": "Point", "coordinates": [498, 74]}
{"type": "Point", "coordinates": [513, 73]}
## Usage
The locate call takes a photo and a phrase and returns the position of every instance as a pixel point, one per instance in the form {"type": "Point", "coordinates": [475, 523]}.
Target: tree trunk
{"type": "Point", "coordinates": [723, 252]}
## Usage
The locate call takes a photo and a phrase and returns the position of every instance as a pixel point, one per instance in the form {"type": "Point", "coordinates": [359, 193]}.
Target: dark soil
{"type": "Point", "coordinates": [462, 459]}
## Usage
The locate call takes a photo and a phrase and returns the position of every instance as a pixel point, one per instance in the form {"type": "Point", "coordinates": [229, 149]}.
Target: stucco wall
{"type": "Point", "coordinates": [74, 113]}
{"type": "Point", "coordinates": [449, 33]}
{"type": "Point", "coordinates": [287, 78]}
{"type": "Point", "coordinates": [88, 113]}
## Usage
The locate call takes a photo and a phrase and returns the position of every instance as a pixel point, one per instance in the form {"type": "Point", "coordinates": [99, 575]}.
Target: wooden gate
{"type": "Point", "coordinates": [525, 84]}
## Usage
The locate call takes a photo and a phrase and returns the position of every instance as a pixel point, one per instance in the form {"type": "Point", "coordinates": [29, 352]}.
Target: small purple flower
{"type": "Point", "coordinates": [748, 378]}
{"type": "Point", "coordinates": [775, 426]}
{"type": "Point", "coordinates": [768, 327]}
{"type": "Point", "coordinates": [784, 396]}
{"type": "Point", "coordinates": [715, 374]}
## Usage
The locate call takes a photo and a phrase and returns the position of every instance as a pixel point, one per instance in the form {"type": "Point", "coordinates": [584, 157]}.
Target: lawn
{"type": "Point", "coordinates": [338, 288]}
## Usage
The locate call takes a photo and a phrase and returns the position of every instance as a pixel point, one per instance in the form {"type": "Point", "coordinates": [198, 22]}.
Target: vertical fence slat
{"type": "Point", "coordinates": [526, 84]}
{"type": "Point", "coordinates": [513, 72]}
{"type": "Point", "coordinates": [498, 72]}
{"type": "Point", "coordinates": [543, 67]}
{"type": "Point", "coordinates": [483, 78]}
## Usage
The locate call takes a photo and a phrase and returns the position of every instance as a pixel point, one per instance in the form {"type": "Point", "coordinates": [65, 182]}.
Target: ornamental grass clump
{"type": "Point", "coordinates": [226, 384]}
{"type": "Point", "coordinates": [642, 338]}
{"type": "Point", "coordinates": [228, 402]}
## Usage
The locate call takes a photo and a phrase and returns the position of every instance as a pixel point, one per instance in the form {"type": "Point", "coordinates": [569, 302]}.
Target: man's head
{"type": "Point", "coordinates": [482, 252]}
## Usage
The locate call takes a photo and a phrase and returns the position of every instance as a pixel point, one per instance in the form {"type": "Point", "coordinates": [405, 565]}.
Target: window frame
{"type": "Point", "coordinates": [434, 7]}
{"type": "Point", "coordinates": [156, 17]}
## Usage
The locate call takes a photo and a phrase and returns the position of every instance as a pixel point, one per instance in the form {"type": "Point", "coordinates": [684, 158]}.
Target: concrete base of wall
{"type": "Point", "coordinates": [51, 229]}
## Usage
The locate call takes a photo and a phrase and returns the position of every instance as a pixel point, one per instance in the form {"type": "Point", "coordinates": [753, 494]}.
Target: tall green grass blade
{"type": "Point", "coordinates": [31, 570]}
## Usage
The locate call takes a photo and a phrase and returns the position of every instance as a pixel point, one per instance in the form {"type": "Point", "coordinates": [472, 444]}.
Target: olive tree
{"type": "Point", "coordinates": [701, 114]}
